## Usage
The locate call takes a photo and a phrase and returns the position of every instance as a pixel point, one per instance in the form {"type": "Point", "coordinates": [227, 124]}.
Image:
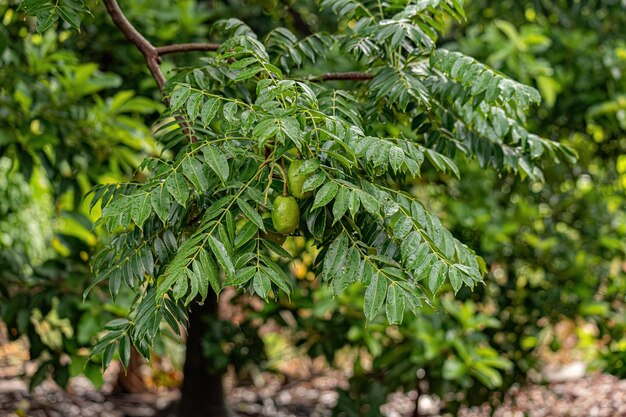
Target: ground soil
{"type": "Point", "coordinates": [267, 394]}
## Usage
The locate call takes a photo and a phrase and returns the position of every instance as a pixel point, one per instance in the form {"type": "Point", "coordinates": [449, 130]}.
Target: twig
{"type": "Point", "coordinates": [282, 171]}
{"type": "Point", "coordinates": [343, 76]}
{"type": "Point", "coordinates": [186, 47]}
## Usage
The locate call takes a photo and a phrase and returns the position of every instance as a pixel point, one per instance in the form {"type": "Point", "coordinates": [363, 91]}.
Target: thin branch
{"type": "Point", "coordinates": [149, 52]}
{"type": "Point", "coordinates": [153, 54]}
{"type": "Point", "coordinates": [343, 76]}
{"type": "Point", "coordinates": [186, 47]}
{"type": "Point", "coordinates": [147, 49]}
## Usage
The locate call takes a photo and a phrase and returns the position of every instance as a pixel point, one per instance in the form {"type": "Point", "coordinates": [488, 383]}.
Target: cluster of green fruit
{"type": "Point", "coordinates": [286, 212]}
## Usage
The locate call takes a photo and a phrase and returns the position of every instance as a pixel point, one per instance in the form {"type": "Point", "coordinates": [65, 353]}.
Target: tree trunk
{"type": "Point", "coordinates": [202, 393]}
{"type": "Point", "coordinates": [130, 381]}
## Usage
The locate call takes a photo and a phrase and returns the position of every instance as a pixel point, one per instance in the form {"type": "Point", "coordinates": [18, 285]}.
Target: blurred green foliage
{"type": "Point", "coordinates": [24, 234]}
{"type": "Point", "coordinates": [556, 249]}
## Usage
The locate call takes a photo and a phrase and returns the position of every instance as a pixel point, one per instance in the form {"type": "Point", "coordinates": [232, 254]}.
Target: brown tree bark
{"type": "Point", "coordinates": [202, 393]}
{"type": "Point", "coordinates": [130, 381]}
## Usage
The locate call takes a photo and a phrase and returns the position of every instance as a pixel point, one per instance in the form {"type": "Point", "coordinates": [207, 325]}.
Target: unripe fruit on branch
{"type": "Point", "coordinates": [295, 181]}
{"type": "Point", "coordinates": [285, 215]}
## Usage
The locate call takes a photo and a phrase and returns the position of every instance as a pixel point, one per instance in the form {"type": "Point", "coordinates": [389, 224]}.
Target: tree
{"type": "Point", "coordinates": [236, 124]}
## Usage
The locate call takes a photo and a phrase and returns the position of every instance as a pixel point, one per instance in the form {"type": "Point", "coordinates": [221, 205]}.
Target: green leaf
{"type": "Point", "coordinates": [248, 73]}
{"type": "Point", "coordinates": [178, 188]}
{"type": "Point", "coordinates": [417, 256]}
{"type": "Point", "coordinates": [247, 120]}
{"type": "Point", "coordinates": [453, 369]}
{"type": "Point", "coordinates": [193, 105]}
{"type": "Point", "coordinates": [412, 296]}
{"type": "Point", "coordinates": [32, 7]}
{"type": "Point", "coordinates": [242, 276]}
{"type": "Point", "coordinates": [181, 285]}
{"type": "Point", "coordinates": [436, 276]}
{"type": "Point", "coordinates": [230, 112]}
{"type": "Point", "coordinates": [454, 275]}
{"type": "Point", "coordinates": [354, 203]}
{"type": "Point", "coordinates": [195, 282]}
{"type": "Point", "coordinates": [45, 20]}
{"type": "Point", "coordinates": [262, 284]}
{"type": "Point", "coordinates": [193, 169]}
{"type": "Point", "coordinates": [396, 158]}
{"type": "Point", "coordinates": [124, 351]}
{"type": "Point", "coordinates": [251, 214]}
{"type": "Point", "coordinates": [325, 194]}
{"type": "Point", "coordinates": [222, 256]}
{"type": "Point", "coordinates": [140, 210]}
{"type": "Point", "coordinates": [335, 256]}
{"type": "Point", "coordinates": [40, 375]}
{"type": "Point", "coordinates": [160, 200]}
{"type": "Point", "coordinates": [115, 283]}
{"type": "Point", "coordinates": [314, 181]}
{"type": "Point", "coordinates": [493, 90]}
{"type": "Point", "coordinates": [247, 232]}
{"type": "Point", "coordinates": [107, 357]}
{"type": "Point", "coordinates": [281, 280]}
{"type": "Point", "coordinates": [243, 63]}
{"type": "Point", "coordinates": [265, 129]}
{"type": "Point", "coordinates": [210, 275]}
{"type": "Point", "coordinates": [160, 250]}
{"type": "Point", "coordinates": [375, 296]}
{"type": "Point", "coordinates": [395, 304]}
{"type": "Point", "coordinates": [370, 203]}
{"type": "Point", "coordinates": [117, 324]}
{"type": "Point", "coordinates": [308, 167]}
{"type": "Point", "coordinates": [216, 208]}
{"type": "Point", "coordinates": [341, 204]}
{"type": "Point", "coordinates": [209, 110]}
{"type": "Point", "coordinates": [348, 275]}
{"type": "Point", "coordinates": [170, 277]}
{"type": "Point", "coordinates": [70, 16]}
{"type": "Point", "coordinates": [402, 227]}
{"type": "Point", "coordinates": [258, 197]}
{"type": "Point", "coordinates": [99, 278]}
{"type": "Point", "coordinates": [277, 249]}
{"type": "Point", "coordinates": [291, 127]}
{"type": "Point", "coordinates": [144, 263]}
{"type": "Point", "coordinates": [179, 96]}
{"type": "Point", "coordinates": [217, 161]}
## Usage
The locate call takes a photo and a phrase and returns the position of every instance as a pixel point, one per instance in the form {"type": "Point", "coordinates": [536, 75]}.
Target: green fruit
{"type": "Point", "coordinates": [295, 181]}
{"type": "Point", "coordinates": [270, 235]}
{"type": "Point", "coordinates": [286, 215]}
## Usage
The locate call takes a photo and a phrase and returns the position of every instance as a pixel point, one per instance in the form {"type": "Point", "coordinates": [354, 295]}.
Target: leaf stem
{"type": "Point", "coordinates": [281, 168]}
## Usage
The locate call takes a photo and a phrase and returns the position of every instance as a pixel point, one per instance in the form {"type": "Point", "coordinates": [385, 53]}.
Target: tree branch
{"type": "Point", "coordinates": [343, 76]}
{"type": "Point", "coordinates": [147, 49]}
{"type": "Point", "coordinates": [186, 47]}
{"type": "Point", "coordinates": [153, 54]}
